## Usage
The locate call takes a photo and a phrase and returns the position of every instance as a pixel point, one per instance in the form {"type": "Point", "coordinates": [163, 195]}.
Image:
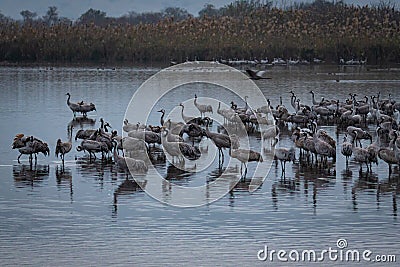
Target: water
{"type": "Point", "coordinates": [88, 214]}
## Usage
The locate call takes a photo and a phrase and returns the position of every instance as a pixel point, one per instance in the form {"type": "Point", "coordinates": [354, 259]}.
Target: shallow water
{"type": "Point", "coordinates": [88, 214]}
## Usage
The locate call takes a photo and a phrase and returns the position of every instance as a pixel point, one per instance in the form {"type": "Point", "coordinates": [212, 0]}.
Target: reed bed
{"type": "Point", "coordinates": [332, 32]}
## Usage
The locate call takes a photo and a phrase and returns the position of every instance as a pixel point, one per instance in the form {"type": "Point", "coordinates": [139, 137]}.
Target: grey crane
{"type": "Point", "coordinates": [148, 136]}
{"type": "Point", "coordinates": [324, 149]}
{"type": "Point", "coordinates": [185, 118]}
{"type": "Point", "coordinates": [323, 135]}
{"type": "Point", "coordinates": [192, 130]}
{"type": "Point", "coordinates": [80, 107]}
{"type": "Point", "coordinates": [128, 127]}
{"type": "Point", "coordinates": [245, 156]}
{"type": "Point", "coordinates": [63, 148]}
{"type": "Point", "coordinates": [315, 103]}
{"type": "Point", "coordinates": [225, 113]}
{"type": "Point", "coordinates": [363, 155]}
{"type": "Point", "coordinates": [388, 155]}
{"type": "Point", "coordinates": [257, 75]}
{"type": "Point", "coordinates": [202, 108]}
{"type": "Point", "coordinates": [222, 141]}
{"type": "Point", "coordinates": [284, 154]}
{"type": "Point", "coordinates": [93, 147]}
{"type": "Point", "coordinates": [33, 146]}
{"type": "Point", "coordinates": [130, 164]}
{"type": "Point", "coordinates": [271, 133]}
{"type": "Point", "coordinates": [162, 111]}
{"type": "Point", "coordinates": [130, 144]}
{"type": "Point", "coordinates": [347, 149]}
{"type": "Point", "coordinates": [357, 134]}
{"type": "Point", "coordinates": [179, 149]}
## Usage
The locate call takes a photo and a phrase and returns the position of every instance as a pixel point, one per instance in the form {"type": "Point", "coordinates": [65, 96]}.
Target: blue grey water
{"type": "Point", "coordinates": [88, 214]}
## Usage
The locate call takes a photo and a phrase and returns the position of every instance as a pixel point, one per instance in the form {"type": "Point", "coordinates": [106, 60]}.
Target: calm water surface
{"type": "Point", "coordinates": [88, 214]}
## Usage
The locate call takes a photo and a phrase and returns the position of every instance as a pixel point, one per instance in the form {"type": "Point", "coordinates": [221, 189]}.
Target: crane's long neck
{"type": "Point", "coordinates": [69, 97]}
{"type": "Point", "coordinates": [293, 100]}
{"type": "Point", "coordinates": [162, 118]}
{"type": "Point", "coordinates": [183, 107]}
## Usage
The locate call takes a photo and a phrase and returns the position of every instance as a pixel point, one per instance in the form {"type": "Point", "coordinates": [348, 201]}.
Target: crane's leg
{"type": "Point", "coordinates": [19, 157]}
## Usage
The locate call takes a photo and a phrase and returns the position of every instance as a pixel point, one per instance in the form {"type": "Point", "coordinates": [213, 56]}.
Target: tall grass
{"type": "Point", "coordinates": [336, 31]}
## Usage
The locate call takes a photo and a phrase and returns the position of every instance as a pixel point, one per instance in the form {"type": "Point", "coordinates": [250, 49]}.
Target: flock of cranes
{"type": "Point", "coordinates": [353, 116]}
{"type": "Point", "coordinates": [141, 140]}
{"type": "Point", "coordinates": [316, 147]}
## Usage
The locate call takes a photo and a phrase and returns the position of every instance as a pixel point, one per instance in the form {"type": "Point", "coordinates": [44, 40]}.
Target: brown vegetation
{"type": "Point", "coordinates": [327, 30]}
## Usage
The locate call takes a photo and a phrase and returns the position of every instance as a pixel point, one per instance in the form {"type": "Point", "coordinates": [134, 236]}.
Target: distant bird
{"type": "Point", "coordinates": [202, 108]}
{"type": "Point", "coordinates": [284, 154]}
{"type": "Point", "coordinates": [245, 156]}
{"type": "Point", "coordinates": [63, 148]}
{"type": "Point", "coordinates": [80, 107]}
{"type": "Point", "coordinates": [75, 107]}
{"type": "Point", "coordinates": [256, 75]}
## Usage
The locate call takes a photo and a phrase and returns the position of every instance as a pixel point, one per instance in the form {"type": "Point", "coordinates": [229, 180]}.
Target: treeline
{"type": "Point", "coordinates": [242, 29]}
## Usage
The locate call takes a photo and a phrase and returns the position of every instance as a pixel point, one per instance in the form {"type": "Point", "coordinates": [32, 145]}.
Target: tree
{"type": "Point", "coordinates": [51, 16]}
{"type": "Point", "coordinates": [93, 16]}
{"type": "Point", "coordinates": [4, 19]}
{"type": "Point", "coordinates": [176, 13]}
{"type": "Point", "coordinates": [208, 10]}
{"type": "Point", "coordinates": [28, 16]}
